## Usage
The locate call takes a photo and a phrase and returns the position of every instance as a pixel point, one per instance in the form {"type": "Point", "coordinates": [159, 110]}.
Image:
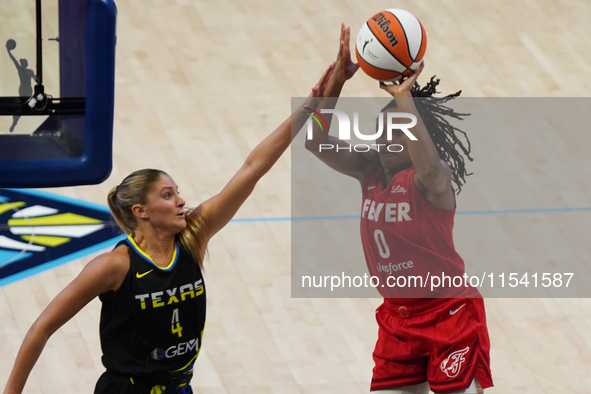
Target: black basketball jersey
{"type": "Point", "coordinates": [153, 324]}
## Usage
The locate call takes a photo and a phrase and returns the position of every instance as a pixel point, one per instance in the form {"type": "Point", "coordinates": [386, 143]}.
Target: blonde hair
{"type": "Point", "coordinates": [134, 189]}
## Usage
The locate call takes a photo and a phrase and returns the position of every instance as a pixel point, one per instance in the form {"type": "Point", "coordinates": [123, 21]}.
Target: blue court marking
{"type": "Point", "coordinates": [66, 259]}
{"type": "Point", "coordinates": [520, 211]}
{"type": "Point", "coordinates": [459, 213]}
{"type": "Point", "coordinates": [111, 242]}
{"type": "Point", "coordinates": [8, 255]}
{"type": "Point", "coordinates": [63, 199]}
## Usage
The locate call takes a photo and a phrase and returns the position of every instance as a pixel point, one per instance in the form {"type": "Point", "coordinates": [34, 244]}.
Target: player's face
{"type": "Point", "coordinates": [164, 208]}
{"type": "Point", "coordinates": [393, 154]}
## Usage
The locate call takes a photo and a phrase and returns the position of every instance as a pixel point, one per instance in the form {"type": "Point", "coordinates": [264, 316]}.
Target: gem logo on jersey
{"type": "Point", "coordinates": [176, 350]}
{"type": "Point", "coordinates": [452, 365]}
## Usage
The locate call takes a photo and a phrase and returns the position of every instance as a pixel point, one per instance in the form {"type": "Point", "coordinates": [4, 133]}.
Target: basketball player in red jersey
{"type": "Point", "coordinates": [437, 340]}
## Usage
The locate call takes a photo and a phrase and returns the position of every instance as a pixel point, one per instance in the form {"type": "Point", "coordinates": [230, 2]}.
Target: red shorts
{"type": "Point", "coordinates": [443, 341]}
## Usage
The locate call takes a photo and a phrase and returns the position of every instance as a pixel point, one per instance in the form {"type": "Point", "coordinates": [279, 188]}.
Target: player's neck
{"type": "Point", "coordinates": [160, 248]}
{"type": "Point", "coordinates": [388, 173]}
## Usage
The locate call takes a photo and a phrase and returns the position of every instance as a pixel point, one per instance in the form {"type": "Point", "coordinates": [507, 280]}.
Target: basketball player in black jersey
{"type": "Point", "coordinates": [151, 285]}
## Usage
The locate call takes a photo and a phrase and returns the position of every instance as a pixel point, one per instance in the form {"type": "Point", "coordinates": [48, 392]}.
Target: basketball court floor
{"type": "Point", "coordinates": [200, 83]}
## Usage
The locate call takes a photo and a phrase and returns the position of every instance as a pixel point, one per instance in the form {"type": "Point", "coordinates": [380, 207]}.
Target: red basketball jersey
{"type": "Point", "coordinates": [405, 237]}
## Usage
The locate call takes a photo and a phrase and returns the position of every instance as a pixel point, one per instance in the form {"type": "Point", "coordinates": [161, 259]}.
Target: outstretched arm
{"type": "Point", "coordinates": [13, 59]}
{"type": "Point", "coordinates": [106, 272]}
{"type": "Point", "coordinates": [433, 177]}
{"type": "Point", "coordinates": [218, 210]}
{"type": "Point", "coordinates": [348, 162]}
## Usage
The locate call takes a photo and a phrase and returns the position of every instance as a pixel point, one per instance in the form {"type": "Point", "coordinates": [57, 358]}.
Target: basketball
{"type": "Point", "coordinates": [10, 44]}
{"type": "Point", "coordinates": [390, 45]}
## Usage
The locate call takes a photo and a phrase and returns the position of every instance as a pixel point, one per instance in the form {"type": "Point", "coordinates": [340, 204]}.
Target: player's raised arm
{"type": "Point", "coordinates": [346, 161]}
{"type": "Point", "coordinates": [104, 273]}
{"type": "Point", "coordinates": [433, 175]}
{"type": "Point", "coordinates": [217, 211]}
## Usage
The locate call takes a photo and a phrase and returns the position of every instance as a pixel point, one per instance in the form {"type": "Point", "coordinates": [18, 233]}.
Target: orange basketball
{"type": "Point", "coordinates": [391, 44]}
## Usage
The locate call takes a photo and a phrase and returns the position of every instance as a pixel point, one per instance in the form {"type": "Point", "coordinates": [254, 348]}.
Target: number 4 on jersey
{"type": "Point", "coordinates": [176, 328]}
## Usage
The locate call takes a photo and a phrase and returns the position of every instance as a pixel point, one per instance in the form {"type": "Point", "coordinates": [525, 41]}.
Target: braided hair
{"type": "Point", "coordinates": [446, 137]}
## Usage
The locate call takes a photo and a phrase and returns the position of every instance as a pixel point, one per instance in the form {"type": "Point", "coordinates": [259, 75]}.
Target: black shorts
{"type": "Point", "coordinates": [110, 383]}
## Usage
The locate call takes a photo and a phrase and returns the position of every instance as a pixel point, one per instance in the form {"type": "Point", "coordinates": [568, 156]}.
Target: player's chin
{"type": "Point", "coordinates": [395, 161]}
{"type": "Point", "coordinates": [181, 223]}
{"type": "Point", "coordinates": [389, 159]}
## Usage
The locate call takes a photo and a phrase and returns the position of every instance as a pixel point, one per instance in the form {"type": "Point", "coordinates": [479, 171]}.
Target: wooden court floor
{"type": "Point", "coordinates": [200, 83]}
